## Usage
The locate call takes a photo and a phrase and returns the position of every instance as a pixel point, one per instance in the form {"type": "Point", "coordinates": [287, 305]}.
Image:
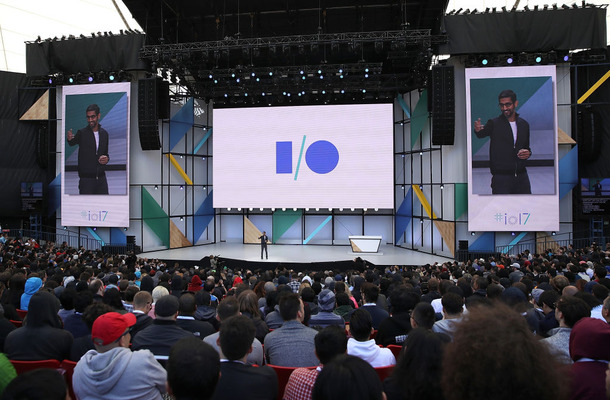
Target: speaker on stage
{"type": "Point", "coordinates": [463, 245]}
{"type": "Point", "coordinates": [442, 104]}
{"type": "Point", "coordinates": [153, 104]}
{"type": "Point", "coordinates": [588, 124]}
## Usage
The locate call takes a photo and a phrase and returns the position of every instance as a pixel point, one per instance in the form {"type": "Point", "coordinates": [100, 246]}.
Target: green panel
{"type": "Point", "coordinates": [282, 221]}
{"type": "Point", "coordinates": [461, 199]}
{"type": "Point", "coordinates": [154, 216]}
{"type": "Point", "coordinates": [419, 117]}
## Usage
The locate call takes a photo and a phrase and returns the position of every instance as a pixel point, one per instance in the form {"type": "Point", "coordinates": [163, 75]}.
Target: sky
{"type": "Point", "coordinates": [25, 20]}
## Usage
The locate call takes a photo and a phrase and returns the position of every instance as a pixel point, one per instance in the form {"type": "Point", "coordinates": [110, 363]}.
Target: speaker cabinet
{"type": "Point", "coordinates": [153, 104]}
{"type": "Point", "coordinates": [442, 102]}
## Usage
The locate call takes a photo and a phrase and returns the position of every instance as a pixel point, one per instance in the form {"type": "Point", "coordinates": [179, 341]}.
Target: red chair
{"type": "Point", "coordinates": [68, 367]}
{"type": "Point", "coordinates": [18, 324]}
{"type": "Point", "coordinates": [25, 366]}
{"type": "Point", "coordinates": [384, 372]}
{"type": "Point", "coordinates": [396, 349]}
{"type": "Point", "coordinates": [283, 373]}
{"type": "Point", "coordinates": [22, 313]}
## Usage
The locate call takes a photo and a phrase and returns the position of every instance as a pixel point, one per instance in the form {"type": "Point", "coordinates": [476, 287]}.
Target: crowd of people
{"type": "Point", "coordinates": [527, 326]}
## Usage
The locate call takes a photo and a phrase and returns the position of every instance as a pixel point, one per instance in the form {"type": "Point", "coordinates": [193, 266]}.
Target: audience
{"type": "Point", "coordinates": [590, 351]}
{"type": "Point", "coordinates": [347, 377]}
{"type": "Point", "coordinates": [568, 311]}
{"type": "Point", "coordinates": [325, 316]}
{"type": "Point", "coordinates": [39, 384]}
{"type": "Point", "coordinates": [361, 345]}
{"type": "Point", "coordinates": [186, 317]}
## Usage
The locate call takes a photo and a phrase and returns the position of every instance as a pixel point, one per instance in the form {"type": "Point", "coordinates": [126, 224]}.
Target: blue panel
{"type": "Point", "coordinates": [54, 194]}
{"type": "Point", "coordinates": [202, 142]}
{"type": "Point", "coordinates": [203, 217]}
{"type": "Point", "coordinates": [514, 242]}
{"type": "Point", "coordinates": [403, 216]}
{"type": "Point", "coordinates": [96, 236]}
{"type": "Point", "coordinates": [180, 123]}
{"type": "Point", "coordinates": [318, 229]}
{"type": "Point", "coordinates": [283, 157]}
{"type": "Point", "coordinates": [117, 236]}
{"type": "Point", "coordinates": [568, 172]}
{"type": "Point", "coordinates": [485, 242]}
{"type": "Point", "coordinates": [403, 105]}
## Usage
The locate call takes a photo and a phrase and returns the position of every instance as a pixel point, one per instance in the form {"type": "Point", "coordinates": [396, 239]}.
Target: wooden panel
{"type": "Point", "coordinates": [563, 138]}
{"type": "Point", "coordinates": [251, 232]}
{"type": "Point", "coordinates": [447, 230]}
{"type": "Point", "coordinates": [176, 237]}
{"type": "Point", "coordinates": [39, 111]}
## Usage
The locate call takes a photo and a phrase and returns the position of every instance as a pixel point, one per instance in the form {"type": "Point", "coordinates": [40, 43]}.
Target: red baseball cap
{"type": "Point", "coordinates": [110, 327]}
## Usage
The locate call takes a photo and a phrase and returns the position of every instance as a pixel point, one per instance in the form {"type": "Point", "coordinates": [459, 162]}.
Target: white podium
{"type": "Point", "coordinates": [365, 244]}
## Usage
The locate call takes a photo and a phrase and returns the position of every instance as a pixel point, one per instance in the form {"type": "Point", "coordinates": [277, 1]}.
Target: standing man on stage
{"type": "Point", "coordinates": [264, 239]}
{"type": "Point", "coordinates": [509, 147]}
{"type": "Point", "coordinates": [92, 143]}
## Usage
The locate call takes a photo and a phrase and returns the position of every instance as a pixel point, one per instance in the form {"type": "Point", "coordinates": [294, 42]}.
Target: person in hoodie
{"type": "Point", "coordinates": [205, 310]}
{"type": "Point", "coordinates": [196, 284]}
{"type": "Point", "coordinates": [394, 330]}
{"type": "Point", "coordinates": [112, 370]}
{"type": "Point", "coordinates": [32, 285]}
{"type": "Point", "coordinates": [360, 344]}
{"type": "Point", "coordinates": [590, 352]}
{"type": "Point", "coordinates": [453, 308]}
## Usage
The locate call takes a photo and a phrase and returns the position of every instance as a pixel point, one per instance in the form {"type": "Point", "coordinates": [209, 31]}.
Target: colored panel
{"type": "Point", "coordinates": [39, 110]}
{"type": "Point", "coordinates": [202, 141]}
{"type": "Point", "coordinates": [283, 157]}
{"type": "Point", "coordinates": [403, 216]}
{"type": "Point", "coordinates": [117, 236]}
{"type": "Point", "coordinates": [403, 105]}
{"type": "Point", "coordinates": [203, 217]}
{"type": "Point", "coordinates": [251, 232]}
{"type": "Point", "coordinates": [563, 138]}
{"type": "Point", "coordinates": [318, 229]}
{"type": "Point", "coordinates": [424, 201]}
{"type": "Point", "coordinates": [447, 231]}
{"type": "Point", "coordinates": [513, 242]}
{"type": "Point", "coordinates": [282, 221]}
{"type": "Point", "coordinates": [180, 123]}
{"type": "Point", "coordinates": [485, 242]}
{"type": "Point", "coordinates": [594, 87]}
{"type": "Point", "coordinates": [419, 118]}
{"type": "Point", "coordinates": [54, 195]}
{"type": "Point", "coordinates": [461, 199]}
{"type": "Point", "coordinates": [176, 237]}
{"type": "Point", "coordinates": [154, 217]}
{"type": "Point", "coordinates": [96, 236]}
{"type": "Point", "coordinates": [183, 174]}
{"type": "Point", "coordinates": [568, 172]}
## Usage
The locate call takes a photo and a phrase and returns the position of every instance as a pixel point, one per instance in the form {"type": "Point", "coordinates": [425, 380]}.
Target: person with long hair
{"type": "Point", "coordinates": [248, 305]}
{"type": "Point", "coordinates": [418, 372]}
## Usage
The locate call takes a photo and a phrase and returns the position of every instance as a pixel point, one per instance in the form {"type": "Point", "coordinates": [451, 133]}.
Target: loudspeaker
{"type": "Point", "coordinates": [131, 239]}
{"type": "Point", "coordinates": [153, 104]}
{"type": "Point", "coordinates": [463, 245]}
{"type": "Point", "coordinates": [442, 104]}
{"type": "Point", "coordinates": [589, 133]}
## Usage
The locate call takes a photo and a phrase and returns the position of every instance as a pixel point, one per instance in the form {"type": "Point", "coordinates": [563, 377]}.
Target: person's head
{"type": "Point", "coordinates": [42, 311]}
{"type": "Point", "coordinates": [606, 309]}
{"type": "Point", "coordinates": [370, 292]}
{"type": "Point", "coordinates": [547, 300]}
{"type": "Point", "coordinates": [507, 101]}
{"type": "Point", "coordinates": [111, 330]}
{"type": "Point", "coordinates": [403, 300]}
{"type": "Point", "coordinates": [112, 297]}
{"type": "Point", "coordinates": [453, 304]}
{"type": "Point", "coordinates": [419, 368]}
{"type": "Point", "coordinates": [248, 303]}
{"type": "Point", "coordinates": [82, 300]}
{"type": "Point", "coordinates": [498, 339]}
{"type": "Point", "coordinates": [166, 308]}
{"type": "Point", "coordinates": [350, 376]}
{"type": "Point", "coordinates": [291, 307]}
{"type": "Point", "coordinates": [93, 311]}
{"type": "Point", "coordinates": [571, 309]}
{"type": "Point", "coordinates": [326, 300]}
{"type": "Point", "coordinates": [193, 369]}
{"type": "Point", "coordinates": [159, 292]}
{"type": "Point", "coordinates": [93, 115]}
{"type": "Point", "coordinates": [227, 308]}
{"type": "Point", "coordinates": [39, 384]}
{"type": "Point", "coordinates": [330, 342]}
{"type": "Point", "coordinates": [187, 304]}
{"type": "Point", "coordinates": [423, 316]}
{"type": "Point", "coordinates": [361, 325]}
{"type": "Point", "coordinates": [236, 337]}
{"type": "Point", "coordinates": [142, 301]}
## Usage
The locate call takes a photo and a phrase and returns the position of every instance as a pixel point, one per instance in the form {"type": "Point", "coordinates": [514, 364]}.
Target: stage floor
{"type": "Point", "coordinates": [388, 255]}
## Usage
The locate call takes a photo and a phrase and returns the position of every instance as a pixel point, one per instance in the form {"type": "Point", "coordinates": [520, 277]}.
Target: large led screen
{"type": "Point", "coordinates": [330, 156]}
{"type": "Point", "coordinates": [511, 118]}
{"type": "Point", "coordinates": [95, 155]}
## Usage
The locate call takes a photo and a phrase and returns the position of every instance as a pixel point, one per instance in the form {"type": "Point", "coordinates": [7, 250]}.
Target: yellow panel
{"type": "Point", "coordinates": [424, 201]}
{"type": "Point", "coordinates": [176, 237]}
{"type": "Point", "coordinates": [563, 138]}
{"type": "Point", "coordinates": [447, 230]}
{"type": "Point", "coordinates": [39, 110]}
{"type": "Point", "coordinates": [179, 169]}
{"type": "Point", "coordinates": [544, 242]}
{"type": "Point", "coordinates": [594, 88]}
{"type": "Point", "coordinates": [251, 232]}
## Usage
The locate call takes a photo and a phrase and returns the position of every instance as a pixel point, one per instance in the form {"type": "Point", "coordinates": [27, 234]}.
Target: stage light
{"type": "Point", "coordinates": [553, 233]}
{"type": "Point", "coordinates": [156, 187]}
{"type": "Point", "coordinates": [566, 58]}
{"type": "Point", "coordinates": [246, 94]}
{"type": "Point", "coordinates": [239, 209]}
{"type": "Point", "coordinates": [237, 80]}
{"type": "Point", "coordinates": [442, 187]}
{"type": "Point", "coordinates": [229, 209]}
{"type": "Point", "coordinates": [50, 81]}
{"type": "Point", "coordinates": [181, 187]}
{"type": "Point", "coordinates": [352, 209]}
{"type": "Point", "coordinates": [484, 61]}
{"type": "Point", "coordinates": [341, 209]}
{"type": "Point", "coordinates": [181, 218]}
{"type": "Point", "coordinates": [319, 71]}
{"type": "Point", "coordinates": [65, 228]}
{"type": "Point", "coordinates": [509, 60]}
{"type": "Point", "coordinates": [323, 91]}
{"type": "Point", "coordinates": [284, 209]}
{"type": "Point", "coordinates": [294, 209]}
{"type": "Point", "coordinates": [317, 209]}
{"type": "Point", "coordinates": [233, 75]}
{"type": "Point", "coordinates": [512, 233]}
{"type": "Point", "coordinates": [363, 90]}
{"type": "Point", "coordinates": [321, 76]}
{"type": "Point", "coordinates": [303, 77]}
{"type": "Point", "coordinates": [270, 73]}
{"type": "Point", "coordinates": [111, 77]}
{"type": "Point", "coordinates": [330, 209]}
{"type": "Point", "coordinates": [90, 78]}
{"type": "Point", "coordinates": [538, 59]}
{"type": "Point", "coordinates": [365, 209]}
{"type": "Point", "coordinates": [366, 75]}
{"type": "Point", "coordinates": [125, 229]}
{"type": "Point", "coordinates": [260, 209]}
{"type": "Point", "coordinates": [473, 233]}
{"type": "Point", "coordinates": [376, 209]}
{"type": "Point", "coordinates": [273, 209]}
{"type": "Point", "coordinates": [94, 228]}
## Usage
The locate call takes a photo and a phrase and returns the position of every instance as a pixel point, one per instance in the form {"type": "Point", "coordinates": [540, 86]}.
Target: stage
{"type": "Point", "coordinates": [387, 255]}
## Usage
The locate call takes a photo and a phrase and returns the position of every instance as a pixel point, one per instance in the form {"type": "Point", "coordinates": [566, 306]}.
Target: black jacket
{"type": "Point", "coordinates": [502, 147]}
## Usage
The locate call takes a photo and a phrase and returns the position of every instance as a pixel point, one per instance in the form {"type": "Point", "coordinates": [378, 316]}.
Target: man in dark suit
{"type": "Point", "coordinates": [509, 147]}
{"type": "Point", "coordinates": [238, 380]}
{"type": "Point", "coordinates": [92, 143]}
{"type": "Point", "coordinates": [186, 317]}
{"type": "Point", "coordinates": [370, 293]}
{"type": "Point", "coordinates": [264, 239]}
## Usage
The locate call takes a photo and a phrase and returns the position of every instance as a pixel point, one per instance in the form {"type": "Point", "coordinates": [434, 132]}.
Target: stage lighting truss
{"type": "Point", "coordinates": [514, 59]}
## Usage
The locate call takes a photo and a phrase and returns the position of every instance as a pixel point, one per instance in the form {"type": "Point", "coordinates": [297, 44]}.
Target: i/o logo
{"type": "Point", "coordinates": [321, 157]}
